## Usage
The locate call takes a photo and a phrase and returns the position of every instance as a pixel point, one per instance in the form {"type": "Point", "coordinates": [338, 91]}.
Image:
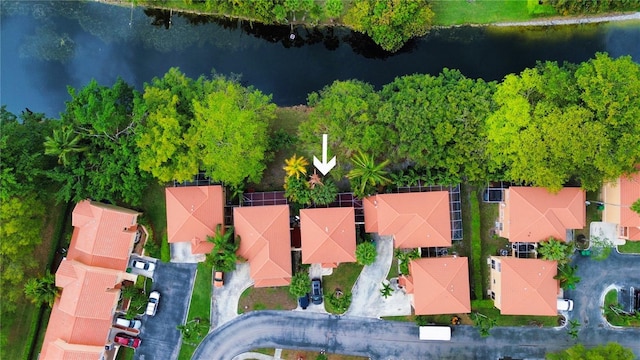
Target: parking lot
{"type": "Point", "coordinates": [160, 338]}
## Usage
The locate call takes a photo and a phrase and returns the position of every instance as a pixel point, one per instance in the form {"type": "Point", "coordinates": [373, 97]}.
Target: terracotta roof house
{"type": "Point", "coordinates": [524, 286]}
{"type": "Point", "coordinates": [439, 285]}
{"type": "Point", "coordinates": [414, 219]}
{"type": "Point", "coordinates": [82, 316]}
{"type": "Point", "coordinates": [103, 235]}
{"type": "Point", "coordinates": [533, 214]}
{"type": "Point", "coordinates": [618, 197]}
{"type": "Point", "coordinates": [90, 277]}
{"type": "Point", "coordinates": [328, 236]}
{"type": "Point", "coordinates": [265, 241]}
{"type": "Point", "coordinates": [193, 212]}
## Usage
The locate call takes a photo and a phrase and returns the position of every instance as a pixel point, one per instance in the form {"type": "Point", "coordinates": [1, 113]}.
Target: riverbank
{"type": "Point", "coordinates": [572, 21]}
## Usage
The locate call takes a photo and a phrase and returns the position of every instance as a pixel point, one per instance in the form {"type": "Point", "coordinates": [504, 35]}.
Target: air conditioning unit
{"type": "Point", "coordinates": [109, 347]}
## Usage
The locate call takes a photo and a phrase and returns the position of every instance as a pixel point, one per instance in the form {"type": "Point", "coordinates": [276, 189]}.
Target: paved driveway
{"type": "Point", "coordinates": [160, 338]}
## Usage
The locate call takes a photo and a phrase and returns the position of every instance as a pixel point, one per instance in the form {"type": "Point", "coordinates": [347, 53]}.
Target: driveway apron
{"type": "Point", "coordinates": [160, 338]}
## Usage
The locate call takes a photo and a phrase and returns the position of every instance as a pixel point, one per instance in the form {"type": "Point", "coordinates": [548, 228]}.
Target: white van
{"type": "Point", "coordinates": [565, 305]}
{"type": "Point", "coordinates": [442, 333]}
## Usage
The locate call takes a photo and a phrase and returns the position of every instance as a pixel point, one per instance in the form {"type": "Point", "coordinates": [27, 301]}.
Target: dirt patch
{"type": "Point", "coordinates": [271, 298]}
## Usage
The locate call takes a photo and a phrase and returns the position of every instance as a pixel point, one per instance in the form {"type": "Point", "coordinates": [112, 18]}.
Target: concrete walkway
{"type": "Point", "coordinates": [572, 21]}
{"type": "Point", "coordinates": [181, 253]}
{"type": "Point", "coordinates": [254, 356]}
{"type": "Point", "coordinates": [224, 302]}
{"type": "Point", "coordinates": [366, 298]}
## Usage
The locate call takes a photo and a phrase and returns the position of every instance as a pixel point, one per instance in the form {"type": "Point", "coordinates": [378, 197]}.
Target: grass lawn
{"type": "Point", "coordinates": [393, 270]}
{"type": "Point", "coordinates": [456, 12]}
{"type": "Point", "coordinates": [490, 242]}
{"type": "Point", "coordinates": [154, 210]}
{"type": "Point", "coordinates": [343, 278]}
{"type": "Point", "coordinates": [486, 307]}
{"type": "Point", "coordinates": [630, 247]}
{"type": "Point", "coordinates": [200, 306]}
{"type": "Point", "coordinates": [269, 298]}
{"type": "Point", "coordinates": [125, 353]}
{"type": "Point", "coordinates": [476, 247]}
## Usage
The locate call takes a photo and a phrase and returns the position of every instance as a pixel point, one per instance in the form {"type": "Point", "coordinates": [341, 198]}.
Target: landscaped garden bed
{"type": "Point", "coordinates": [306, 355]}
{"type": "Point", "coordinates": [339, 285]}
{"type": "Point", "coordinates": [617, 316]}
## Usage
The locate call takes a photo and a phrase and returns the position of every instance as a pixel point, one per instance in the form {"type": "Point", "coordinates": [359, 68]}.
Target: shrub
{"type": "Point", "coordinates": [366, 253]}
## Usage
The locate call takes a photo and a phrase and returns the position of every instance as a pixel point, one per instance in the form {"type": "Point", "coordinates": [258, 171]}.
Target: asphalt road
{"type": "Point", "coordinates": [160, 338]}
{"type": "Point", "coordinates": [379, 339]}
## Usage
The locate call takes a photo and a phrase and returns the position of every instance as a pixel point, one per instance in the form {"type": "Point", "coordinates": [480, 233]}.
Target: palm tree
{"type": "Point", "coordinates": [567, 276]}
{"type": "Point", "coordinates": [42, 290]}
{"type": "Point", "coordinates": [314, 180]}
{"type": "Point", "coordinates": [367, 173]}
{"type": "Point", "coordinates": [223, 257]}
{"type": "Point", "coordinates": [386, 290]}
{"type": "Point", "coordinates": [62, 143]}
{"type": "Point", "coordinates": [296, 166]}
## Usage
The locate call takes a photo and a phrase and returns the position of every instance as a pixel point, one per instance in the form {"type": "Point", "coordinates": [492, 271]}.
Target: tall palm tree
{"type": "Point", "coordinates": [367, 173]}
{"type": "Point", "coordinates": [42, 290]}
{"type": "Point", "coordinates": [62, 143]}
{"type": "Point", "coordinates": [296, 166]}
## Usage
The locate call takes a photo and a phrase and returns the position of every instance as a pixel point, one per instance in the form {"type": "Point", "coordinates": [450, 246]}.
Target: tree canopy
{"type": "Point", "coordinates": [560, 123]}
{"type": "Point", "coordinates": [390, 23]}
{"type": "Point", "coordinates": [213, 125]}
{"type": "Point", "coordinates": [95, 144]}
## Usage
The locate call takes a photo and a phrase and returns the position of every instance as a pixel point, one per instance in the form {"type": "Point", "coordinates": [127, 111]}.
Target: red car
{"type": "Point", "coordinates": [126, 340]}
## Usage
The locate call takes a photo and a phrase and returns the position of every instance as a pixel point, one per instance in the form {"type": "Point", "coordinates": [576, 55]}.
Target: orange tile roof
{"type": "Point", "coordinates": [103, 235]}
{"type": "Point", "coordinates": [328, 235]}
{"type": "Point", "coordinates": [265, 242]}
{"type": "Point", "coordinates": [370, 205]}
{"type": "Point", "coordinates": [83, 314]}
{"type": "Point", "coordinates": [629, 193]}
{"type": "Point", "coordinates": [528, 287]}
{"type": "Point", "coordinates": [59, 349]}
{"type": "Point", "coordinates": [534, 214]}
{"type": "Point", "coordinates": [441, 285]}
{"type": "Point", "coordinates": [193, 212]}
{"type": "Point", "coordinates": [414, 219]}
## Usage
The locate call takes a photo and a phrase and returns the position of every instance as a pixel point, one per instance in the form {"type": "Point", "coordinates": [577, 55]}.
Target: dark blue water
{"type": "Point", "coordinates": [46, 46]}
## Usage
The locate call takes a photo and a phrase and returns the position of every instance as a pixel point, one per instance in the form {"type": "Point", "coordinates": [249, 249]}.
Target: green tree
{"type": "Point", "coordinates": [194, 330]}
{"type": "Point", "coordinates": [230, 128]}
{"type": "Point", "coordinates": [296, 166]}
{"type": "Point", "coordinates": [610, 351]}
{"type": "Point", "coordinates": [440, 123]}
{"type": "Point", "coordinates": [63, 143]}
{"type": "Point", "coordinates": [98, 127]}
{"type": "Point", "coordinates": [334, 8]}
{"type": "Point", "coordinates": [42, 290]}
{"type": "Point", "coordinates": [323, 193]}
{"type": "Point", "coordinates": [390, 23]}
{"type": "Point", "coordinates": [300, 284]}
{"type": "Point", "coordinates": [635, 207]}
{"type": "Point", "coordinates": [346, 111]}
{"type": "Point", "coordinates": [600, 247]}
{"type": "Point", "coordinates": [386, 290]}
{"type": "Point", "coordinates": [555, 250]}
{"type": "Point", "coordinates": [554, 124]}
{"type": "Point", "coordinates": [214, 125]}
{"type": "Point", "coordinates": [20, 228]}
{"type": "Point", "coordinates": [366, 253]}
{"type": "Point", "coordinates": [297, 190]}
{"type": "Point", "coordinates": [367, 175]}
{"type": "Point", "coordinates": [567, 276]}
{"type": "Point", "coordinates": [483, 323]}
{"type": "Point", "coordinates": [24, 166]}
{"type": "Point", "coordinates": [223, 257]}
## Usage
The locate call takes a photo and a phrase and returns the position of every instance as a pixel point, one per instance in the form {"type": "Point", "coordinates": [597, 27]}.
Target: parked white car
{"type": "Point", "coordinates": [152, 305]}
{"type": "Point", "coordinates": [144, 265]}
{"type": "Point", "coordinates": [565, 305]}
{"type": "Point", "coordinates": [132, 324]}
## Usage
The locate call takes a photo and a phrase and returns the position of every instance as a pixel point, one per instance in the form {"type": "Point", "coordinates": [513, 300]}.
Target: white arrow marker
{"type": "Point", "coordinates": [324, 167]}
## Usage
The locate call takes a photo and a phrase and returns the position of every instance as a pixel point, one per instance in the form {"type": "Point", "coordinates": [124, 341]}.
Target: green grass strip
{"type": "Point", "coordinates": [476, 246]}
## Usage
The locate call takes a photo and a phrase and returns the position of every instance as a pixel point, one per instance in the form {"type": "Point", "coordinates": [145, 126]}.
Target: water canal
{"type": "Point", "coordinates": [46, 46]}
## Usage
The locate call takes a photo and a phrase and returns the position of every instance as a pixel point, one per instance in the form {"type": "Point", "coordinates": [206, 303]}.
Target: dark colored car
{"type": "Point", "coordinates": [316, 291]}
{"type": "Point", "coordinates": [126, 340]}
{"type": "Point", "coordinates": [303, 301]}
